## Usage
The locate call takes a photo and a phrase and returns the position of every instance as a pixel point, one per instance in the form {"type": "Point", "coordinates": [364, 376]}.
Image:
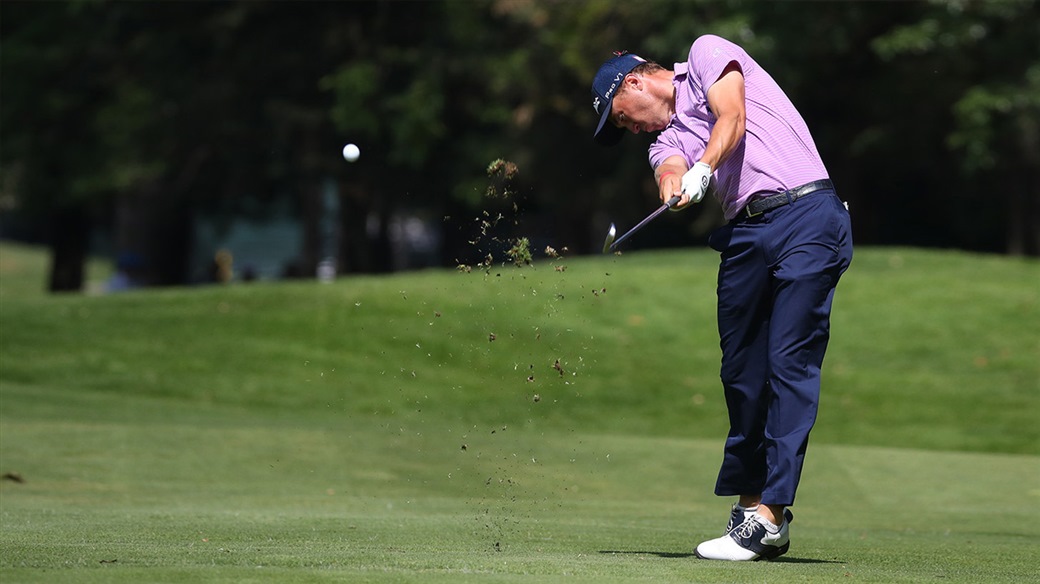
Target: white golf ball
{"type": "Point", "coordinates": [351, 152]}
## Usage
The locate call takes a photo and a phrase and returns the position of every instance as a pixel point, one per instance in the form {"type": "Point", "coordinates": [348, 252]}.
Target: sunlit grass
{"type": "Point", "coordinates": [556, 421]}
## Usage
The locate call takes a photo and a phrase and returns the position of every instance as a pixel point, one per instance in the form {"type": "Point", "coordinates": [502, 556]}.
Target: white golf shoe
{"type": "Point", "coordinates": [754, 539]}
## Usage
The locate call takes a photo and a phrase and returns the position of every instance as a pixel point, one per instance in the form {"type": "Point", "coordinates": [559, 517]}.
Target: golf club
{"type": "Point", "coordinates": [610, 244]}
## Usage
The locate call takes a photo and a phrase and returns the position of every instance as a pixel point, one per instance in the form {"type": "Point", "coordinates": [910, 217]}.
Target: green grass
{"type": "Point", "coordinates": [371, 431]}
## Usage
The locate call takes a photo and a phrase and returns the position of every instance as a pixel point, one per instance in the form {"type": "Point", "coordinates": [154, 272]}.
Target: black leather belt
{"type": "Point", "coordinates": [759, 206]}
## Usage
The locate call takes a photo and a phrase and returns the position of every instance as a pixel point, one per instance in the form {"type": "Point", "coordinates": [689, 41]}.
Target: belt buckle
{"type": "Point", "coordinates": [748, 214]}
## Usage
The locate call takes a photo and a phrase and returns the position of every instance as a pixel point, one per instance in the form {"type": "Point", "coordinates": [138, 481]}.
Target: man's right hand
{"type": "Point", "coordinates": [669, 179]}
{"type": "Point", "coordinates": [670, 186]}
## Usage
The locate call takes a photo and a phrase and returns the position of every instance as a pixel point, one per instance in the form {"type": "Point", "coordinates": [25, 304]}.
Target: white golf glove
{"type": "Point", "coordinates": [695, 182]}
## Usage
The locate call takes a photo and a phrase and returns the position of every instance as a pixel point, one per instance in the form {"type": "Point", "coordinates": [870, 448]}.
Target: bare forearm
{"type": "Point", "coordinates": [726, 99]}
{"type": "Point", "coordinates": [671, 165]}
{"type": "Point", "coordinates": [724, 139]}
{"type": "Point", "coordinates": [669, 176]}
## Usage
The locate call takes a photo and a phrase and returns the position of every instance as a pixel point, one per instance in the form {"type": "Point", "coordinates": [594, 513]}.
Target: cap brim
{"type": "Point", "coordinates": [607, 134]}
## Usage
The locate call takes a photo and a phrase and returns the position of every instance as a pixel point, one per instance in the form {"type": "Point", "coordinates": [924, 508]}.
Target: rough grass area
{"type": "Point", "coordinates": [560, 421]}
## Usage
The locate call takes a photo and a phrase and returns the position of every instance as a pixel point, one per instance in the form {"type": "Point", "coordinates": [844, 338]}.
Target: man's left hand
{"type": "Point", "coordinates": [695, 183]}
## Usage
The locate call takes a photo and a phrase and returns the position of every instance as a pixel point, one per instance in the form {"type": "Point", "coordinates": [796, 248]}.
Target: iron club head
{"type": "Point", "coordinates": [610, 238]}
{"type": "Point", "coordinates": [613, 242]}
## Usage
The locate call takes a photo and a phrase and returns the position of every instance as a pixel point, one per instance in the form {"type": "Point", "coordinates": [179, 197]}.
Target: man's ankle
{"type": "Point", "coordinates": [749, 501]}
{"type": "Point", "coordinates": [772, 513]}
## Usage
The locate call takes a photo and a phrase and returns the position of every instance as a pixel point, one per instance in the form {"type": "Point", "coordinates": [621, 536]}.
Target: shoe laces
{"type": "Point", "coordinates": [747, 528]}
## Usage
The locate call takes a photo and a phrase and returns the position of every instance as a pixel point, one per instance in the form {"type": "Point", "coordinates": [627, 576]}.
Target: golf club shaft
{"type": "Point", "coordinates": [671, 203]}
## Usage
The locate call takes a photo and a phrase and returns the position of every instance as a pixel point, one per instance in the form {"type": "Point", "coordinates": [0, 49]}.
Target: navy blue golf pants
{"type": "Point", "coordinates": [776, 282]}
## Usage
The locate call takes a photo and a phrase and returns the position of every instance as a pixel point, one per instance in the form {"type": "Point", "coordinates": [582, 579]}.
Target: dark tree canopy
{"type": "Point", "coordinates": [927, 115]}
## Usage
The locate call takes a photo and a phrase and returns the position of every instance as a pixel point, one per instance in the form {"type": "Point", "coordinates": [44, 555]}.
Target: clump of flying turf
{"type": "Point", "coordinates": [520, 253]}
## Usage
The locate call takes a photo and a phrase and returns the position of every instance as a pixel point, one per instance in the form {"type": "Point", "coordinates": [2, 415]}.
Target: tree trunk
{"type": "Point", "coordinates": [155, 225]}
{"type": "Point", "coordinates": [1023, 226]}
{"type": "Point", "coordinates": [311, 209]}
{"type": "Point", "coordinates": [169, 244]}
{"type": "Point", "coordinates": [354, 255]}
{"type": "Point", "coordinates": [69, 231]}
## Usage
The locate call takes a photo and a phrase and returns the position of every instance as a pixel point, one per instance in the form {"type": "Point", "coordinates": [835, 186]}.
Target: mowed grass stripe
{"type": "Point", "coordinates": [615, 507]}
{"type": "Point", "coordinates": [634, 339]}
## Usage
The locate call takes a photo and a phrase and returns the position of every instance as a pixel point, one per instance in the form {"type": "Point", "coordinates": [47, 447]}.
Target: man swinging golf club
{"type": "Point", "coordinates": [787, 242]}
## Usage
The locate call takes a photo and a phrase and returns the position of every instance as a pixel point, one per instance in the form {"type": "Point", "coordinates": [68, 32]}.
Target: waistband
{"type": "Point", "coordinates": [759, 206]}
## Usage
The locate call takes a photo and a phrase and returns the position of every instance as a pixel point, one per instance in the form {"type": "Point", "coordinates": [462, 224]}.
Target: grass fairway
{"type": "Point", "coordinates": [526, 425]}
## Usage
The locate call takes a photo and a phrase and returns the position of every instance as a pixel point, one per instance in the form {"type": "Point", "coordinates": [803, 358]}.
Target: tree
{"type": "Point", "coordinates": [995, 110]}
{"type": "Point", "coordinates": [925, 113]}
{"type": "Point", "coordinates": [55, 154]}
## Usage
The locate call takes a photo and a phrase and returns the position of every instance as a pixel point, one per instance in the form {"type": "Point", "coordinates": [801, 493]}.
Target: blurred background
{"type": "Point", "coordinates": [193, 142]}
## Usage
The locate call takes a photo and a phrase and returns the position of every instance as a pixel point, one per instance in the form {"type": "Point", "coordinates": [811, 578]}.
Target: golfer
{"type": "Point", "coordinates": [723, 122]}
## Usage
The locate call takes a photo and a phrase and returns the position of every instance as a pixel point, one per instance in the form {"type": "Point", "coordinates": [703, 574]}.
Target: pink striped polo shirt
{"type": "Point", "coordinates": [777, 152]}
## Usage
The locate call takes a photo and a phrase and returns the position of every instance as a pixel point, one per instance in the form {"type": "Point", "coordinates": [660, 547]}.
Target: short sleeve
{"type": "Point", "coordinates": [709, 57]}
{"type": "Point", "coordinates": [666, 145]}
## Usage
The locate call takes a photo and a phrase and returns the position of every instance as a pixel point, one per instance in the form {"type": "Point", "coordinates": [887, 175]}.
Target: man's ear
{"type": "Point", "coordinates": [633, 82]}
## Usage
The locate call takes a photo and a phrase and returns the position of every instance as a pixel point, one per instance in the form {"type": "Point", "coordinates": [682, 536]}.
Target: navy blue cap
{"type": "Point", "coordinates": [606, 83]}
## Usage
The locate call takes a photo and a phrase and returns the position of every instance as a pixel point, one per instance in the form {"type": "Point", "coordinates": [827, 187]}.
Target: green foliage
{"type": "Point", "coordinates": [977, 113]}
{"type": "Point", "coordinates": [409, 119]}
{"type": "Point", "coordinates": [987, 115]}
{"type": "Point", "coordinates": [354, 88]}
{"type": "Point", "coordinates": [123, 125]}
{"type": "Point", "coordinates": [1001, 108]}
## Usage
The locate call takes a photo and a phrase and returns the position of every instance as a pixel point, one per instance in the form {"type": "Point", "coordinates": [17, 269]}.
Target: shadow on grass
{"type": "Point", "coordinates": [783, 560]}
{"type": "Point", "coordinates": [788, 560]}
{"type": "Point", "coordinates": [658, 554]}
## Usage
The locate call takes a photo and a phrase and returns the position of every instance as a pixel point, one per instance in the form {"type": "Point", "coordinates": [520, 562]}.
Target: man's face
{"type": "Point", "coordinates": [637, 110]}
